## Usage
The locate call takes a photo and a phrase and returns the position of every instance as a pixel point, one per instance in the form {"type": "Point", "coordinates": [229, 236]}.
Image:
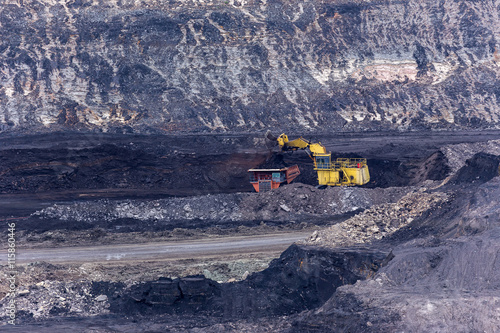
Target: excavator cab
{"type": "Point", "coordinates": [323, 161]}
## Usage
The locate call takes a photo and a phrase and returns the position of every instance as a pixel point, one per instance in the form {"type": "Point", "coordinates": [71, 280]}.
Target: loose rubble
{"type": "Point", "coordinates": [379, 221]}
{"type": "Point", "coordinates": [457, 154]}
{"type": "Point", "coordinates": [294, 201]}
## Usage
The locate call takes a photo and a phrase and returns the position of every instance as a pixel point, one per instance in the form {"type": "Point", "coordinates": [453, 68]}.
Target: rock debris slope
{"type": "Point", "coordinates": [233, 65]}
{"type": "Point", "coordinates": [298, 202]}
{"type": "Point", "coordinates": [442, 275]}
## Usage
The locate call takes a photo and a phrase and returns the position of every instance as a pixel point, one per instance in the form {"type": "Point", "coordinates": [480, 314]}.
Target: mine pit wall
{"type": "Point", "coordinates": [215, 66]}
{"type": "Point", "coordinates": [184, 166]}
{"type": "Point", "coordinates": [302, 278]}
{"type": "Point", "coordinates": [181, 165]}
{"type": "Point", "coordinates": [479, 169]}
{"type": "Point", "coordinates": [407, 172]}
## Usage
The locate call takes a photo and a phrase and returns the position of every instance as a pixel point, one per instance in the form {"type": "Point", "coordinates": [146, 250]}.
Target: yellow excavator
{"type": "Point", "coordinates": [341, 172]}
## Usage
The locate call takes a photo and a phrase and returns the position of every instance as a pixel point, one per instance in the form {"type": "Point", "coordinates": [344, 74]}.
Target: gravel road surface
{"type": "Point", "coordinates": [161, 251]}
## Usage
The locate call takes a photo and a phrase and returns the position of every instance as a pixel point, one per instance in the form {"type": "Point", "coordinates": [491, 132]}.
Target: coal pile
{"type": "Point", "coordinates": [283, 207]}
{"type": "Point", "coordinates": [302, 278]}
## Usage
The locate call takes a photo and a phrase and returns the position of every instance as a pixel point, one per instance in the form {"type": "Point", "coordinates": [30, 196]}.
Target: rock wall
{"type": "Point", "coordinates": [238, 65]}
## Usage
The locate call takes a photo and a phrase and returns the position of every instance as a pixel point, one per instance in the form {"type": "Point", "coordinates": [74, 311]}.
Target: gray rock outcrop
{"type": "Point", "coordinates": [184, 65]}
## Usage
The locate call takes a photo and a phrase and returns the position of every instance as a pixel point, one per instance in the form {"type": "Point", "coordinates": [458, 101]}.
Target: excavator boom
{"type": "Point", "coordinates": [300, 143]}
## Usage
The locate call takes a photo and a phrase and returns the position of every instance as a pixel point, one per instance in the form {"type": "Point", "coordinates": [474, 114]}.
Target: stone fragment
{"type": "Point", "coordinates": [285, 207]}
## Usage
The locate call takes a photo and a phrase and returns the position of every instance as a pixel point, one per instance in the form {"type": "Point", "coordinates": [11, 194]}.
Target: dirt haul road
{"type": "Point", "coordinates": [161, 251]}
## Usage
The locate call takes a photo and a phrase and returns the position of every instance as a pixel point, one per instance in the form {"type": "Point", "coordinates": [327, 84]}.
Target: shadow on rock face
{"type": "Point", "coordinates": [302, 278]}
{"type": "Point", "coordinates": [479, 169]}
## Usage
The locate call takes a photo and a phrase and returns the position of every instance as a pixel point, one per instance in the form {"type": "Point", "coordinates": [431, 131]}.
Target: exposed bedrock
{"type": "Point", "coordinates": [183, 65]}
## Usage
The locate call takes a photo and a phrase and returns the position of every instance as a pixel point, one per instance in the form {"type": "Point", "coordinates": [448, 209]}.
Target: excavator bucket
{"type": "Point", "coordinates": [270, 136]}
{"type": "Point", "coordinates": [271, 140]}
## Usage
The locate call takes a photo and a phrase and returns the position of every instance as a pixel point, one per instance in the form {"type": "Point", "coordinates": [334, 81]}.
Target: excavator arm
{"type": "Point", "coordinates": [300, 143]}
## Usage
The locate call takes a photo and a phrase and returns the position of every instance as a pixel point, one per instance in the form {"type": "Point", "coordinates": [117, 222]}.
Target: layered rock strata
{"type": "Point", "coordinates": [184, 65]}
